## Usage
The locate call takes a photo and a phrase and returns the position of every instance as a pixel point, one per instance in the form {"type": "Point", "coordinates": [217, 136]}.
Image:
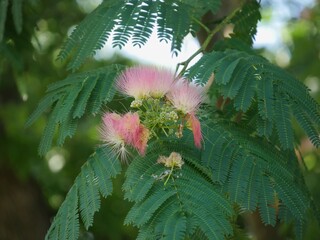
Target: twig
{"type": "Point", "coordinates": [208, 39]}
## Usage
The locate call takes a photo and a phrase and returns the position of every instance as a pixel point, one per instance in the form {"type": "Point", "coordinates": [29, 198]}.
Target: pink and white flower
{"type": "Point", "coordinates": [119, 131]}
{"type": "Point", "coordinates": [112, 135]}
{"type": "Point", "coordinates": [186, 97]}
{"type": "Point", "coordinates": [142, 82]}
{"type": "Point", "coordinates": [140, 139]}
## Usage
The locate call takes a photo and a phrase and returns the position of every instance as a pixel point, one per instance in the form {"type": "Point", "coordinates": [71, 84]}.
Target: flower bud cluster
{"type": "Point", "coordinates": [136, 103]}
{"type": "Point", "coordinates": [174, 160]}
{"type": "Point", "coordinates": [163, 104]}
{"type": "Point", "coordinates": [169, 116]}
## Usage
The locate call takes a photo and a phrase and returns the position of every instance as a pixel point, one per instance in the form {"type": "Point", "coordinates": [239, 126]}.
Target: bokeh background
{"type": "Point", "coordinates": [32, 187]}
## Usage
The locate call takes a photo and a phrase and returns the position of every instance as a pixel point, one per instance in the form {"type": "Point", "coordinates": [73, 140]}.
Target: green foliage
{"type": "Point", "coordinates": [3, 15]}
{"type": "Point", "coordinates": [16, 10]}
{"type": "Point", "coordinates": [255, 173]}
{"type": "Point", "coordinates": [69, 100]}
{"type": "Point", "coordinates": [245, 22]}
{"type": "Point", "coordinates": [10, 54]}
{"type": "Point", "coordinates": [17, 14]}
{"type": "Point", "coordinates": [134, 19]}
{"type": "Point", "coordinates": [247, 78]}
{"type": "Point", "coordinates": [188, 202]}
{"type": "Point", "coordinates": [84, 196]}
{"type": "Point", "coordinates": [241, 163]}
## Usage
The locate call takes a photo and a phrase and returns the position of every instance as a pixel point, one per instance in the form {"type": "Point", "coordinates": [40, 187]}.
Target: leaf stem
{"type": "Point", "coordinates": [201, 24]}
{"type": "Point", "coordinates": [208, 39]}
{"type": "Point", "coordinates": [171, 170]}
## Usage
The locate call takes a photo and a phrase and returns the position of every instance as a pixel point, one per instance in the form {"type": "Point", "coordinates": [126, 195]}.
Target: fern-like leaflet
{"type": "Point", "coordinates": [84, 196]}
{"type": "Point", "coordinates": [16, 10]}
{"type": "Point", "coordinates": [3, 15]}
{"type": "Point", "coordinates": [188, 202]}
{"type": "Point", "coordinates": [254, 173]}
{"type": "Point", "coordinates": [134, 19]}
{"type": "Point", "coordinates": [246, 78]}
{"type": "Point", "coordinates": [245, 22]}
{"type": "Point", "coordinates": [70, 98]}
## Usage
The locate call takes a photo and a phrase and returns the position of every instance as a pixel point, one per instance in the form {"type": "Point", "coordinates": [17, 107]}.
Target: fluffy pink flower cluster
{"type": "Point", "coordinates": [119, 131]}
{"type": "Point", "coordinates": [143, 82]}
{"type": "Point", "coordinates": [185, 96]}
{"type": "Point", "coordinates": [181, 97]}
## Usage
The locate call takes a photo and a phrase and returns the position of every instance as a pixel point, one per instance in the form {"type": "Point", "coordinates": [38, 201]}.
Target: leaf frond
{"type": "Point", "coordinates": [258, 174]}
{"type": "Point", "coordinates": [83, 197]}
{"type": "Point", "coordinates": [246, 79]}
{"type": "Point", "coordinates": [70, 99]}
{"type": "Point", "coordinates": [187, 201]}
{"type": "Point", "coordinates": [245, 22]}
{"type": "Point", "coordinates": [134, 20]}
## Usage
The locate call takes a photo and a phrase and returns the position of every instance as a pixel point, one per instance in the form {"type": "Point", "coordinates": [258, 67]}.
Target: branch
{"type": "Point", "coordinates": [208, 39]}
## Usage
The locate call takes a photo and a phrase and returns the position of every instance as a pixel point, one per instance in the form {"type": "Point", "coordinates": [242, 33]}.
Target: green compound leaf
{"type": "Point", "coordinates": [258, 174]}
{"type": "Point", "coordinates": [83, 198]}
{"type": "Point", "coordinates": [187, 202]}
{"type": "Point", "coordinates": [247, 78]}
{"type": "Point", "coordinates": [134, 19]}
{"type": "Point", "coordinates": [70, 99]}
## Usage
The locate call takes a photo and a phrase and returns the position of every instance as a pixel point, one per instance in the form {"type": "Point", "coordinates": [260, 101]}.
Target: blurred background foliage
{"type": "Point", "coordinates": [32, 188]}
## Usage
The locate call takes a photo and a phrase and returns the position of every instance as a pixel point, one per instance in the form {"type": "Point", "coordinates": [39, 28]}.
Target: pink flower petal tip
{"type": "Point", "coordinates": [194, 122]}
{"type": "Point", "coordinates": [186, 97]}
{"type": "Point", "coordinates": [144, 81]}
{"type": "Point", "coordinates": [118, 131]}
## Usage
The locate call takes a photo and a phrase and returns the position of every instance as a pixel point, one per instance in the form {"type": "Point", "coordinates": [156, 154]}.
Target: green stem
{"type": "Point", "coordinates": [171, 170]}
{"type": "Point", "coordinates": [165, 132]}
{"type": "Point", "coordinates": [201, 24]}
{"type": "Point", "coordinates": [208, 39]}
{"type": "Point", "coordinates": [178, 195]}
{"type": "Point", "coordinates": [154, 133]}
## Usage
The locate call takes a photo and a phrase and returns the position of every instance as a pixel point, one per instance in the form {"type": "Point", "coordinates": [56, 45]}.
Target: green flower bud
{"type": "Point", "coordinates": [136, 103]}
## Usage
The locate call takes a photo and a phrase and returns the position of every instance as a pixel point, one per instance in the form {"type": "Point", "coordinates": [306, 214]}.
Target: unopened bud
{"type": "Point", "coordinates": [179, 131]}
{"type": "Point", "coordinates": [136, 103]}
{"type": "Point", "coordinates": [173, 116]}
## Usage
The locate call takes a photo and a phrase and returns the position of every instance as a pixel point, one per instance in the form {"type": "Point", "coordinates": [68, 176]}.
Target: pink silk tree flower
{"type": "Point", "coordinates": [194, 123]}
{"type": "Point", "coordinates": [130, 123]}
{"type": "Point", "coordinates": [162, 82]}
{"type": "Point", "coordinates": [141, 139]}
{"type": "Point", "coordinates": [143, 82]}
{"type": "Point", "coordinates": [112, 134]}
{"type": "Point", "coordinates": [119, 131]}
{"type": "Point", "coordinates": [136, 134]}
{"type": "Point", "coordinates": [186, 97]}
